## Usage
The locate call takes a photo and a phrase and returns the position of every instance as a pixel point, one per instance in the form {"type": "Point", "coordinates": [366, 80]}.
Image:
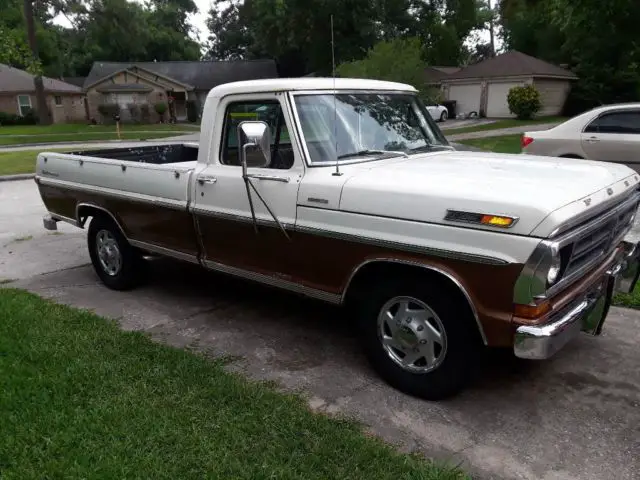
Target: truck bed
{"type": "Point", "coordinates": [175, 154]}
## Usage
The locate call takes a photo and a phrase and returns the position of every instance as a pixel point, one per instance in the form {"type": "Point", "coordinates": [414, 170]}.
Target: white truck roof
{"type": "Point", "coordinates": [306, 83]}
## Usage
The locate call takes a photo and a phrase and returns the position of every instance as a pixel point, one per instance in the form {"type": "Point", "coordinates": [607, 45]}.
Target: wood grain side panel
{"type": "Point", "coordinates": [157, 225]}
{"type": "Point", "coordinates": [325, 263]}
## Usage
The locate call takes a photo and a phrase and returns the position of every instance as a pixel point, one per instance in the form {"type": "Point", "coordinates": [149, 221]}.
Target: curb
{"type": "Point", "coordinates": [22, 176]}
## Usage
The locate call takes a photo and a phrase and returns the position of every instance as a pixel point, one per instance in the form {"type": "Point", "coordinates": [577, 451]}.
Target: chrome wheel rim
{"type": "Point", "coordinates": [108, 253]}
{"type": "Point", "coordinates": [412, 335]}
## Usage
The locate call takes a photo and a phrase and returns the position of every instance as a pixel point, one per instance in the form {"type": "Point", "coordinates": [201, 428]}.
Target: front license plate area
{"type": "Point", "coordinates": [594, 320]}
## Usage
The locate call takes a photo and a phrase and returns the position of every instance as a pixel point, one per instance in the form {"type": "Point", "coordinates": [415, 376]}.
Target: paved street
{"type": "Point", "coordinates": [576, 416]}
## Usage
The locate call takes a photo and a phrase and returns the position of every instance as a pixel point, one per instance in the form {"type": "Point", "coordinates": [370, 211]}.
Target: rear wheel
{"type": "Point", "coordinates": [443, 116]}
{"type": "Point", "coordinates": [419, 336]}
{"type": "Point", "coordinates": [117, 263]}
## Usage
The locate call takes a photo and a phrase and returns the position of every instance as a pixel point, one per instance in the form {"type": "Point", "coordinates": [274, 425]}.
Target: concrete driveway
{"type": "Point", "coordinates": [576, 416]}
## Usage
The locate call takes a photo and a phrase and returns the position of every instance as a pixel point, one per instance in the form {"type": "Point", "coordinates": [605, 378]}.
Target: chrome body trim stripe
{"type": "Point", "coordinates": [165, 251]}
{"type": "Point", "coordinates": [405, 247]}
{"type": "Point", "coordinates": [238, 218]}
{"type": "Point", "coordinates": [152, 200]}
{"type": "Point", "coordinates": [426, 267]}
{"type": "Point", "coordinates": [82, 221]}
{"type": "Point", "coordinates": [275, 282]}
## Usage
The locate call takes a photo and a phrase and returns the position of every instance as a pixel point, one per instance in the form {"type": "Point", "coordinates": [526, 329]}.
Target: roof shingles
{"type": "Point", "coordinates": [510, 64]}
{"type": "Point", "coordinates": [14, 80]}
{"type": "Point", "coordinates": [201, 75]}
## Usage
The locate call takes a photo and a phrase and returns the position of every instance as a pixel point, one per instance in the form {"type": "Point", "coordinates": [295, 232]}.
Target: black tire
{"type": "Point", "coordinates": [463, 342]}
{"type": "Point", "coordinates": [132, 265]}
{"type": "Point", "coordinates": [443, 116]}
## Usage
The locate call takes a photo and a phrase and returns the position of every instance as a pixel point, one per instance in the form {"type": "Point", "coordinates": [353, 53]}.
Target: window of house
{"type": "Point", "coordinates": [24, 104]}
{"type": "Point", "coordinates": [268, 111]}
{"type": "Point", "coordinates": [616, 122]}
{"type": "Point", "coordinates": [58, 100]}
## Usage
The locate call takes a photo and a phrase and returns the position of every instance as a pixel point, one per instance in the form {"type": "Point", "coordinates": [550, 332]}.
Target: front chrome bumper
{"type": "Point", "coordinates": [586, 313]}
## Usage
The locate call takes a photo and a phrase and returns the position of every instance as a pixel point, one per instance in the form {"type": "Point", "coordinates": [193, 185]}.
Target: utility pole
{"type": "Point", "coordinates": [491, 39]}
{"type": "Point", "coordinates": [41, 100]}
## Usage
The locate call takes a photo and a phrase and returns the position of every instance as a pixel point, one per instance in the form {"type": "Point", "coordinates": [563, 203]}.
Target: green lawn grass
{"type": "Point", "coordinates": [501, 144]}
{"type": "Point", "coordinates": [72, 133]}
{"type": "Point", "coordinates": [508, 123]}
{"type": "Point", "coordinates": [79, 398]}
{"type": "Point", "coordinates": [12, 163]}
{"type": "Point", "coordinates": [71, 128]}
{"type": "Point", "coordinates": [630, 300]}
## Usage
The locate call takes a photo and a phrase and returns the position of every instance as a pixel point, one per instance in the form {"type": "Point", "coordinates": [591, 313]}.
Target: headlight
{"type": "Point", "coordinates": [554, 269]}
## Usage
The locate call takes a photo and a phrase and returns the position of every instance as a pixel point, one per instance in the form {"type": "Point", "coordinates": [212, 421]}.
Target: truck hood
{"type": "Point", "coordinates": [423, 187]}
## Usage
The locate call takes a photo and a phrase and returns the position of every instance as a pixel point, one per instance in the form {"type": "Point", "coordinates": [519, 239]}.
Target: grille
{"type": "Point", "coordinates": [599, 241]}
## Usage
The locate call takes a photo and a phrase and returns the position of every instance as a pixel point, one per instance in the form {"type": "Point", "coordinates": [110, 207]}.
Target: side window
{"type": "Point", "coordinates": [268, 111]}
{"type": "Point", "coordinates": [616, 122]}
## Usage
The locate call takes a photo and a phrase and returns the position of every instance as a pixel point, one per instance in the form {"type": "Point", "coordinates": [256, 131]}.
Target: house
{"type": "Point", "coordinates": [17, 95]}
{"type": "Point", "coordinates": [435, 75]}
{"type": "Point", "coordinates": [172, 83]}
{"type": "Point", "coordinates": [483, 87]}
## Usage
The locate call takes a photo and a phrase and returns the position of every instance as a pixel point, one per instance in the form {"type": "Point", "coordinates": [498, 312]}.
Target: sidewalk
{"type": "Point", "coordinates": [501, 131]}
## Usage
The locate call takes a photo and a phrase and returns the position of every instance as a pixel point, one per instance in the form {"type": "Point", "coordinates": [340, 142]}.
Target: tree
{"type": "Point", "coordinates": [43, 109]}
{"type": "Point", "coordinates": [597, 41]}
{"type": "Point", "coordinates": [398, 60]}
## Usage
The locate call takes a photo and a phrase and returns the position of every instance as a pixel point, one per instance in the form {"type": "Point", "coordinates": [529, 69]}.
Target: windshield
{"type": "Point", "coordinates": [365, 125]}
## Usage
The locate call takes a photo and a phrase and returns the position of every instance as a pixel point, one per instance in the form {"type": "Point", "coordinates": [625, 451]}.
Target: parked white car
{"type": "Point", "coordinates": [610, 133]}
{"type": "Point", "coordinates": [438, 112]}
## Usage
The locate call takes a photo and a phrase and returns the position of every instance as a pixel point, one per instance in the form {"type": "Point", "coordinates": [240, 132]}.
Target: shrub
{"type": "Point", "coordinates": [192, 111]}
{"type": "Point", "coordinates": [134, 112]}
{"type": "Point", "coordinates": [108, 111]}
{"type": "Point", "coordinates": [29, 118]}
{"type": "Point", "coordinates": [160, 109]}
{"type": "Point", "coordinates": [524, 102]}
{"type": "Point", "coordinates": [145, 113]}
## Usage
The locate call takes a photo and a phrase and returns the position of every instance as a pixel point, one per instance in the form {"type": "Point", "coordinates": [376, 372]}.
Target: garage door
{"type": "Point", "coordinates": [467, 97]}
{"type": "Point", "coordinates": [497, 105]}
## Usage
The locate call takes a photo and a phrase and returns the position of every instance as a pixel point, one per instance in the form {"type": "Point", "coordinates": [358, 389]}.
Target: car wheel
{"type": "Point", "coordinates": [419, 336]}
{"type": "Point", "coordinates": [443, 116]}
{"type": "Point", "coordinates": [116, 262]}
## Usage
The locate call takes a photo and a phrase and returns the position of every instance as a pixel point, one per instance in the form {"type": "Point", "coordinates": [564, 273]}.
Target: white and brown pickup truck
{"type": "Point", "coordinates": [347, 191]}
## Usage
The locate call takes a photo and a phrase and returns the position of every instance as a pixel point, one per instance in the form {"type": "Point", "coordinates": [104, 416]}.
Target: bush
{"type": "Point", "coordinates": [145, 113]}
{"type": "Point", "coordinates": [398, 60]}
{"type": "Point", "coordinates": [524, 102]}
{"type": "Point", "coordinates": [134, 112]}
{"type": "Point", "coordinates": [108, 111]}
{"type": "Point", "coordinates": [192, 111]}
{"type": "Point", "coordinates": [160, 109]}
{"type": "Point", "coordinates": [29, 118]}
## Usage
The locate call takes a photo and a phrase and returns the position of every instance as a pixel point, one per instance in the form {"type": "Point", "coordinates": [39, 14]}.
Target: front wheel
{"type": "Point", "coordinates": [117, 263]}
{"type": "Point", "coordinates": [443, 116]}
{"type": "Point", "coordinates": [419, 337]}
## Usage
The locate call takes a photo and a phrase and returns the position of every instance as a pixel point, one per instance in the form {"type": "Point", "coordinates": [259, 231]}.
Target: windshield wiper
{"type": "Point", "coordinates": [364, 153]}
{"type": "Point", "coordinates": [430, 147]}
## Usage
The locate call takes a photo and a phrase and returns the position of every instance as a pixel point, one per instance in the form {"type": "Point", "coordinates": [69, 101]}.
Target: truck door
{"type": "Point", "coordinates": [230, 239]}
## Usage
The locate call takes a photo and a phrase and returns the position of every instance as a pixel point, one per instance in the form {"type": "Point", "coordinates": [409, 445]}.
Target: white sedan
{"type": "Point", "coordinates": [610, 133]}
{"type": "Point", "coordinates": [438, 112]}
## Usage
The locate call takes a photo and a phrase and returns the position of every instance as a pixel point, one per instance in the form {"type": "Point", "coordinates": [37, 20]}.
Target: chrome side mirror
{"type": "Point", "coordinates": [254, 140]}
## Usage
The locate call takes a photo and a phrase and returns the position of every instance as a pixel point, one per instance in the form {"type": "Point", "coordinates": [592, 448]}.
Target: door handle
{"type": "Point", "coordinates": [593, 140]}
{"type": "Point", "coordinates": [207, 179]}
{"type": "Point", "coordinates": [274, 178]}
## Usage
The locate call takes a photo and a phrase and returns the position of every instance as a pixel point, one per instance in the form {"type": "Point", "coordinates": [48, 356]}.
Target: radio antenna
{"type": "Point", "coordinates": [335, 110]}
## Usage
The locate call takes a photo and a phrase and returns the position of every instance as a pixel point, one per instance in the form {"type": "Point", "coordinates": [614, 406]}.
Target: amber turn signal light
{"type": "Point", "coordinates": [531, 312]}
{"type": "Point", "coordinates": [497, 221]}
